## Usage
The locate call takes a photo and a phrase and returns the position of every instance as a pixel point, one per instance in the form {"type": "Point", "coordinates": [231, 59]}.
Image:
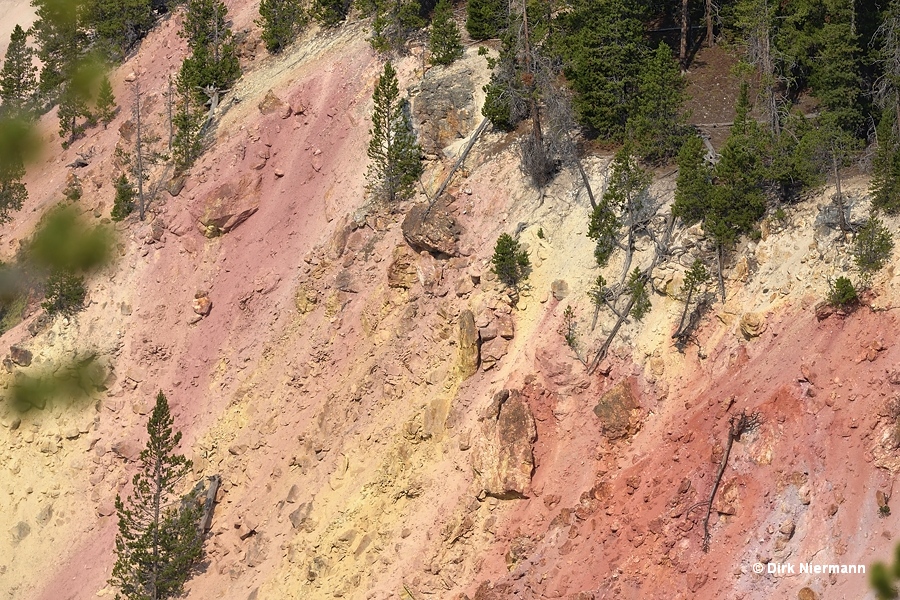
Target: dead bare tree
{"type": "Point", "coordinates": [170, 102]}
{"type": "Point", "coordinates": [685, 33]}
{"type": "Point", "coordinates": [138, 145]}
{"type": "Point", "coordinates": [738, 424]}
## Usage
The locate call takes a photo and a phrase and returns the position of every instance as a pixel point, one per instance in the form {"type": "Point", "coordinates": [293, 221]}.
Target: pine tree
{"type": "Point", "coordinates": [159, 539]}
{"type": "Point", "coordinates": [106, 102]}
{"type": "Point", "coordinates": [330, 13]}
{"type": "Point", "coordinates": [61, 44]}
{"type": "Point", "coordinates": [123, 204]}
{"type": "Point", "coordinates": [394, 23]}
{"type": "Point", "coordinates": [187, 121]}
{"type": "Point", "coordinates": [12, 191]}
{"type": "Point", "coordinates": [885, 183]}
{"type": "Point", "coordinates": [281, 21]}
{"type": "Point", "coordinates": [18, 79]}
{"type": "Point", "coordinates": [485, 19]}
{"type": "Point", "coordinates": [872, 247]}
{"type": "Point", "coordinates": [693, 187]}
{"type": "Point", "coordinates": [510, 262]}
{"type": "Point", "coordinates": [603, 49]}
{"type": "Point", "coordinates": [445, 43]}
{"type": "Point", "coordinates": [118, 25]}
{"type": "Point", "coordinates": [393, 149]}
{"type": "Point", "coordinates": [655, 125]}
{"type": "Point", "coordinates": [213, 61]}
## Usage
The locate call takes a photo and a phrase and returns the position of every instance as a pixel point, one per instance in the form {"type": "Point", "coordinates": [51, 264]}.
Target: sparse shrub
{"type": "Point", "coordinates": [73, 190]}
{"type": "Point", "coordinates": [540, 233]}
{"type": "Point", "coordinates": [510, 262]}
{"type": "Point", "coordinates": [598, 291]}
{"type": "Point", "coordinates": [65, 293]}
{"type": "Point", "coordinates": [841, 292]}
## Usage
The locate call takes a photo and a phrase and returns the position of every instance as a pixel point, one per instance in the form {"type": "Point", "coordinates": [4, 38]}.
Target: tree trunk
{"type": "Point", "coordinates": [138, 149]}
{"type": "Point", "coordinates": [170, 98]}
{"type": "Point", "coordinates": [710, 39]}
{"type": "Point", "coordinates": [720, 260]}
{"type": "Point", "coordinates": [685, 31]}
{"type": "Point", "coordinates": [838, 195]}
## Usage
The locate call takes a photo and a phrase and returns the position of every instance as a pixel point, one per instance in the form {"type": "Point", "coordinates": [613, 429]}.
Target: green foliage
{"type": "Point", "coordinates": [78, 91]}
{"type": "Point", "coordinates": [885, 183]}
{"type": "Point", "coordinates": [841, 292]}
{"type": "Point", "coordinates": [118, 25]}
{"type": "Point", "coordinates": [393, 150]}
{"type": "Point", "coordinates": [485, 18]}
{"type": "Point", "coordinates": [623, 197]}
{"type": "Point", "coordinates": [792, 164]}
{"type": "Point", "coordinates": [394, 23]}
{"type": "Point", "coordinates": [187, 119]}
{"type": "Point", "coordinates": [123, 204]}
{"type": "Point", "coordinates": [569, 329]}
{"type": "Point", "coordinates": [61, 44]}
{"type": "Point", "coordinates": [73, 189]}
{"type": "Point", "coordinates": [637, 289]}
{"type": "Point", "coordinates": [872, 247]}
{"type": "Point", "coordinates": [694, 277]}
{"type": "Point", "coordinates": [330, 13]}
{"type": "Point", "coordinates": [281, 21]}
{"type": "Point", "coordinates": [655, 124]}
{"type": "Point", "coordinates": [603, 228]}
{"type": "Point", "coordinates": [603, 48]}
{"type": "Point", "coordinates": [12, 191]}
{"type": "Point", "coordinates": [106, 102]}
{"type": "Point", "coordinates": [159, 540]}
{"type": "Point", "coordinates": [18, 79]}
{"type": "Point", "coordinates": [213, 61]}
{"type": "Point", "coordinates": [510, 262]}
{"type": "Point", "coordinates": [883, 578]}
{"type": "Point", "coordinates": [597, 292]}
{"type": "Point", "coordinates": [64, 293]}
{"type": "Point", "coordinates": [445, 43]}
{"type": "Point", "coordinates": [496, 106]}
{"type": "Point", "coordinates": [694, 186]}
{"type": "Point", "coordinates": [64, 242]}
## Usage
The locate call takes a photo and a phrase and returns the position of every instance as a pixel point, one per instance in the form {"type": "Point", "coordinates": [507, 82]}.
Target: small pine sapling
{"type": "Point", "coordinates": [106, 103]}
{"type": "Point", "coordinates": [510, 262]}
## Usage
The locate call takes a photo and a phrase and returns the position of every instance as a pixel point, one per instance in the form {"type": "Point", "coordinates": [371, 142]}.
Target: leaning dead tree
{"type": "Point", "coordinates": [738, 425]}
{"type": "Point", "coordinates": [661, 251]}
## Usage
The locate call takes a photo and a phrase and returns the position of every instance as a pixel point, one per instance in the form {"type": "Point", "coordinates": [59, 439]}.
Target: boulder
{"type": "Point", "coordinates": [228, 205]}
{"type": "Point", "coordinates": [128, 449]}
{"type": "Point", "coordinates": [504, 453]}
{"type": "Point", "coordinates": [202, 305]}
{"type": "Point", "coordinates": [752, 325]}
{"type": "Point", "coordinates": [434, 231]}
{"type": "Point", "coordinates": [560, 289]}
{"type": "Point", "coordinates": [20, 356]}
{"type": "Point", "coordinates": [506, 326]}
{"type": "Point", "coordinates": [273, 105]}
{"type": "Point", "coordinates": [401, 273]}
{"type": "Point", "coordinates": [492, 351]}
{"type": "Point", "coordinates": [468, 357]}
{"type": "Point", "coordinates": [445, 110]}
{"type": "Point", "coordinates": [429, 272]}
{"type": "Point", "coordinates": [619, 412]}
{"type": "Point", "coordinates": [300, 518]}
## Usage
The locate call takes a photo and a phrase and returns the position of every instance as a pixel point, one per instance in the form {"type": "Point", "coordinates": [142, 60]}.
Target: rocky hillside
{"type": "Point", "coordinates": [387, 422]}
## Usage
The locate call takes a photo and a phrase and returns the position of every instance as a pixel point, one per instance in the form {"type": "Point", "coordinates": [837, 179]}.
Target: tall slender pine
{"type": "Point", "coordinates": [393, 149]}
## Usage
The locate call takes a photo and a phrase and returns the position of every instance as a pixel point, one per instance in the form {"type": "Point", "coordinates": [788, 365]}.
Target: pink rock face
{"type": "Point", "coordinates": [504, 455]}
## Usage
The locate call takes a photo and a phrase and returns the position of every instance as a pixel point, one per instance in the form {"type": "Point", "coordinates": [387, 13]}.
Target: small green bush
{"type": "Point", "coordinates": [841, 292]}
{"type": "Point", "coordinates": [510, 262]}
{"type": "Point", "coordinates": [65, 293]}
{"type": "Point", "coordinates": [637, 288]}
